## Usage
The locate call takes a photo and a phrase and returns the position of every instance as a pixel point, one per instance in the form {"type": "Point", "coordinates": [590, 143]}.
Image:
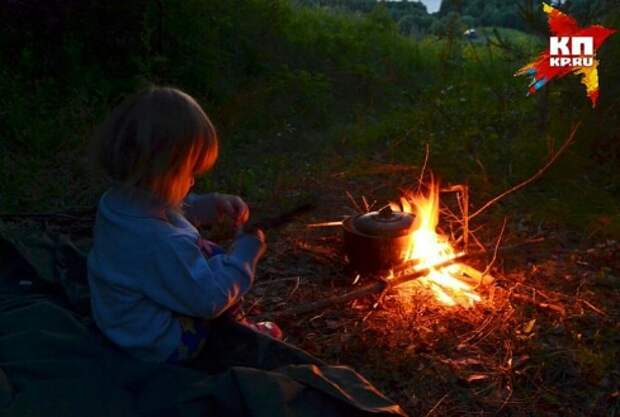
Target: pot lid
{"type": "Point", "coordinates": [384, 222]}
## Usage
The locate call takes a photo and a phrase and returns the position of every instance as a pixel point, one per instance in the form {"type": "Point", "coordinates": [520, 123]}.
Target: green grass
{"type": "Point", "coordinates": [517, 36]}
{"type": "Point", "coordinates": [297, 93]}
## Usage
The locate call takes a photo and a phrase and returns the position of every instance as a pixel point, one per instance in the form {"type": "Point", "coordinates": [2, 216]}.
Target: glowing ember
{"type": "Point", "coordinates": [430, 248]}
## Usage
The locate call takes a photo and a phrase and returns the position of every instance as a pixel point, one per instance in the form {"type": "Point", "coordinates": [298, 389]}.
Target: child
{"type": "Point", "coordinates": [152, 278]}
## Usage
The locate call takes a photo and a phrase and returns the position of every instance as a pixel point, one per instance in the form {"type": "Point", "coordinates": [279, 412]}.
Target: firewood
{"type": "Point", "coordinates": [380, 286]}
{"type": "Point", "coordinates": [506, 249]}
{"type": "Point", "coordinates": [474, 277]}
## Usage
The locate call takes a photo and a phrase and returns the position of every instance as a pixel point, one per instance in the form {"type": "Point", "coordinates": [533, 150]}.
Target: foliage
{"type": "Point", "coordinates": [300, 89]}
{"type": "Point", "coordinates": [299, 93]}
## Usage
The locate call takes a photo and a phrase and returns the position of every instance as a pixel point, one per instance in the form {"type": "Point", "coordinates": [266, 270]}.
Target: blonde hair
{"type": "Point", "coordinates": [154, 140]}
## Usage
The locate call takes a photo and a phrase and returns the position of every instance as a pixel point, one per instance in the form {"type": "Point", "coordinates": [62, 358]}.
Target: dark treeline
{"type": "Point", "coordinates": [413, 18]}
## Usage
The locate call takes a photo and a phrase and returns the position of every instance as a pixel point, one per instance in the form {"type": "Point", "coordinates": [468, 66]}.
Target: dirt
{"type": "Point", "coordinates": [542, 341]}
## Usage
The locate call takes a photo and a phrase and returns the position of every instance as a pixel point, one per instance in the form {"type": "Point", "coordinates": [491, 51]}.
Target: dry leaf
{"type": "Point", "coordinates": [529, 326]}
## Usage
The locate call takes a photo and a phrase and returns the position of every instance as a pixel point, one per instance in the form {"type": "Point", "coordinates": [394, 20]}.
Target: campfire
{"type": "Point", "coordinates": [427, 248]}
{"type": "Point", "coordinates": [416, 296]}
{"type": "Point", "coordinates": [402, 247]}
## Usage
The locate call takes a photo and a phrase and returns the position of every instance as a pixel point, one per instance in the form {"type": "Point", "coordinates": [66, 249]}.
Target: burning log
{"type": "Point", "coordinates": [387, 284]}
{"type": "Point", "coordinates": [475, 277]}
{"type": "Point", "coordinates": [403, 238]}
{"type": "Point", "coordinates": [421, 250]}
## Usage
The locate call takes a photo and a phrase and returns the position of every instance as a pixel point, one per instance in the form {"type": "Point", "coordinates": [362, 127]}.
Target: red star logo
{"type": "Point", "coordinates": [546, 67]}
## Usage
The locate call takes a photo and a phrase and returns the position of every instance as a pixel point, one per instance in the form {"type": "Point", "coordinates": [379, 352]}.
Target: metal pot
{"type": "Point", "coordinates": [378, 240]}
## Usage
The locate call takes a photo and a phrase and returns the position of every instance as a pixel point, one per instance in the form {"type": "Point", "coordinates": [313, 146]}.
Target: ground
{"type": "Point", "coordinates": [544, 340]}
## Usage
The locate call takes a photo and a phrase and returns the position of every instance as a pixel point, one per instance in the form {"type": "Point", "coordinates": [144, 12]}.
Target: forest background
{"type": "Point", "coordinates": [313, 87]}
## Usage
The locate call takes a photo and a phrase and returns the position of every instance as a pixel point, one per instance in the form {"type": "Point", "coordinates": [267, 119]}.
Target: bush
{"type": "Point", "coordinates": [292, 89]}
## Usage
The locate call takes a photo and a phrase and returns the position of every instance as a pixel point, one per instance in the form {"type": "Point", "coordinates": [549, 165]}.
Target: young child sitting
{"type": "Point", "coordinates": [153, 279]}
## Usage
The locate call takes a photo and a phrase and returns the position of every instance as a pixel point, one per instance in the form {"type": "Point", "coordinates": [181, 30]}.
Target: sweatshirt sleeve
{"type": "Point", "coordinates": [186, 282]}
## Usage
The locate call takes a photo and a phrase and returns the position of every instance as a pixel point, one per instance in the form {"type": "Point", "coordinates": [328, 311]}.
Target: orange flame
{"type": "Point", "coordinates": [430, 248]}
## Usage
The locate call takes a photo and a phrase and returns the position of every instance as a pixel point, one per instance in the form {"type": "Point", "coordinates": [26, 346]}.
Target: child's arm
{"type": "Point", "coordinates": [187, 283]}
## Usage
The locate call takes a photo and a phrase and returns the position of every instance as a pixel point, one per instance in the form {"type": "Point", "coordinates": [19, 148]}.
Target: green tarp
{"type": "Point", "coordinates": [55, 363]}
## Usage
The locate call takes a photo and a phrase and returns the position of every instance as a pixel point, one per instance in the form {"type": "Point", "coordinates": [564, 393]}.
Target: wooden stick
{"type": "Point", "coordinates": [506, 249]}
{"type": "Point", "coordinates": [325, 224]}
{"type": "Point", "coordinates": [465, 213]}
{"type": "Point", "coordinates": [355, 205]}
{"type": "Point", "coordinates": [499, 239]}
{"type": "Point", "coordinates": [474, 277]}
{"type": "Point", "coordinates": [380, 286]}
{"type": "Point", "coordinates": [426, 155]}
{"type": "Point", "coordinates": [283, 218]}
{"type": "Point", "coordinates": [541, 171]}
{"type": "Point", "coordinates": [373, 288]}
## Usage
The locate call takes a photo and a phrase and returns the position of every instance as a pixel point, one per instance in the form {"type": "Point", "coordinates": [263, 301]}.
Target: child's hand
{"type": "Point", "coordinates": [234, 207]}
{"type": "Point", "coordinates": [251, 229]}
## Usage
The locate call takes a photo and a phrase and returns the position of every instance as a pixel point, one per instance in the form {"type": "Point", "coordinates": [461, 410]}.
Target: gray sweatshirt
{"type": "Point", "coordinates": [146, 266]}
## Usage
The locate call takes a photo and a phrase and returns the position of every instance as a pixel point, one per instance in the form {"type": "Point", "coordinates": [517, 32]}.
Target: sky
{"type": "Point", "coordinates": [431, 5]}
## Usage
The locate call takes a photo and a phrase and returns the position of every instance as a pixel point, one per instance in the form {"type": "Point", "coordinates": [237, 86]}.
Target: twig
{"type": "Point", "coordinates": [324, 224]}
{"type": "Point", "coordinates": [553, 307]}
{"type": "Point", "coordinates": [480, 245]}
{"type": "Point", "coordinates": [336, 299]}
{"type": "Point", "coordinates": [355, 205]}
{"type": "Point", "coordinates": [445, 211]}
{"type": "Point", "coordinates": [465, 213]}
{"type": "Point", "coordinates": [462, 198]}
{"type": "Point", "coordinates": [436, 405]}
{"type": "Point", "coordinates": [595, 309]}
{"type": "Point", "coordinates": [541, 171]}
{"type": "Point", "coordinates": [277, 280]}
{"type": "Point", "coordinates": [366, 205]}
{"type": "Point", "coordinates": [499, 240]}
{"type": "Point", "coordinates": [245, 312]}
{"type": "Point", "coordinates": [421, 177]}
{"type": "Point", "coordinates": [463, 256]}
{"type": "Point", "coordinates": [290, 294]}
{"type": "Point", "coordinates": [377, 303]}
{"type": "Point", "coordinates": [508, 397]}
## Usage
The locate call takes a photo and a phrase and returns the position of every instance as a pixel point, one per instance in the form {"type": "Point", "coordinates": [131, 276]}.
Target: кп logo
{"type": "Point", "coordinates": [571, 51]}
{"type": "Point", "coordinates": [580, 53]}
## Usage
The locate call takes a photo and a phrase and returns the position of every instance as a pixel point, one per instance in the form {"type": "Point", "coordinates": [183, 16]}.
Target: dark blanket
{"type": "Point", "coordinates": [54, 362]}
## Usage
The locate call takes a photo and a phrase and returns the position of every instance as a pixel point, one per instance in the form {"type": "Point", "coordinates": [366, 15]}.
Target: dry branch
{"type": "Point", "coordinates": [540, 172]}
{"type": "Point", "coordinates": [426, 155]}
{"type": "Point", "coordinates": [380, 286]}
{"type": "Point", "coordinates": [499, 240]}
{"type": "Point", "coordinates": [460, 257]}
{"type": "Point", "coordinates": [337, 223]}
{"type": "Point", "coordinates": [283, 218]}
